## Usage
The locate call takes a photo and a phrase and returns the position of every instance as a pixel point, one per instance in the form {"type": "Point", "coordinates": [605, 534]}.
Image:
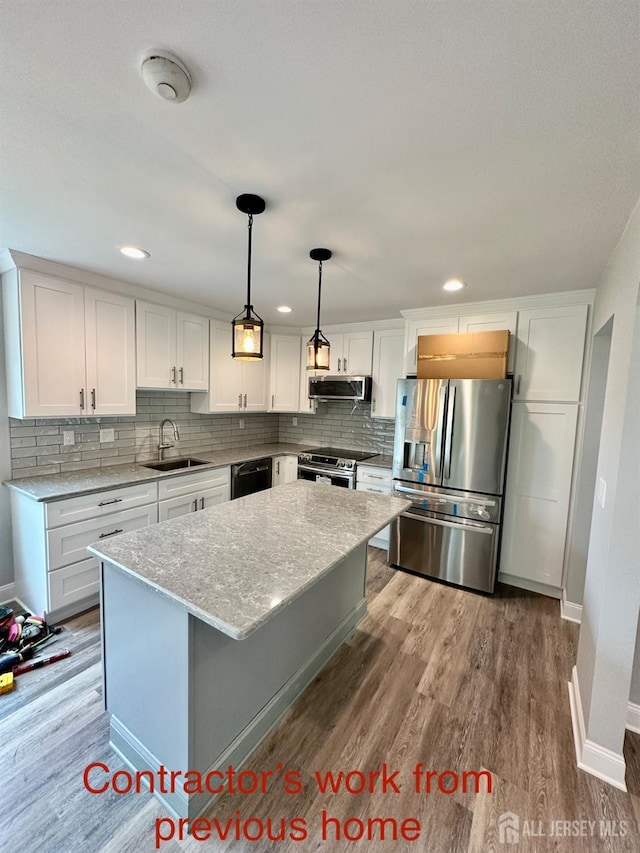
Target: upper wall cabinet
{"type": "Point", "coordinates": [234, 385]}
{"type": "Point", "coordinates": [172, 348]}
{"type": "Point", "coordinates": [550, 352]}
{"type": "Point", "coordinates": [284, 374]}
{"type": "Point", "coordinates": [494, 322]}
{"type": "Point", "coordinates": [388, 359]}
{"type": "Point", "coordinates": [351, 353]}
{"type": "Point", "coordinates": [70, 349]}
{"type": "Point", "coordinates": [415, 328]}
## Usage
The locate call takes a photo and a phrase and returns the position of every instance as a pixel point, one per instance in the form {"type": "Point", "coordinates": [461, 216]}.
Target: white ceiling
{"type": "Point", "coordinates": [495, 142]}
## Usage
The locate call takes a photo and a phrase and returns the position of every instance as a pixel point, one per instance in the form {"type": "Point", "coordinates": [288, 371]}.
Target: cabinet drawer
{"type": "Point", "coordinates": [100, 503]}
{"type": "Point", "coordinates": [73, 583]}
{"type": "Point", "coordinates": [375, 476]}
{"type": "Point", "coordinates": [183, 484]}
{"type": "Point", "coordinates": [380, 489]}
{"type": "Point", "coordinates": [68, 544]}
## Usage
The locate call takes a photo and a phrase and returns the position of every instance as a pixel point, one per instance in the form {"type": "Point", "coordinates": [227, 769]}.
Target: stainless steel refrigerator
{"type": "Point", "coordinates": [449, 460]}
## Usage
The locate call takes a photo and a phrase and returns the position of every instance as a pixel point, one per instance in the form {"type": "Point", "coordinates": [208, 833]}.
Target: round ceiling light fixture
{"type": "Point", "coordinates": [166, 77]}
{"type": "Point", "coordinates": [133, 252]}
{"type": "Point", "coordinates": [284, 309]}
{"type": "Point", "coordinates": [454, 284]}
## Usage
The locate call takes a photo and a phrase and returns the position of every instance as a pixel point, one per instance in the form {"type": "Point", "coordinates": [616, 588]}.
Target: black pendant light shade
{"type": "Point", "coordinates": [319, 348]}
{"type": "Point", "coordinates": [248, 327]}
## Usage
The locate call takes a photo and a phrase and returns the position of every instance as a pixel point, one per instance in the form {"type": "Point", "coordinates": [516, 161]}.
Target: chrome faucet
{"type": "Point", "coordinates": [162, 445]}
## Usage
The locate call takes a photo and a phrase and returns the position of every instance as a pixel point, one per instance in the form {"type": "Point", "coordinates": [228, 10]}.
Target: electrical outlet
{"type": "Point", "coordinates": [106, 435]}
{"type": "Point", "coordinates": [68, 438]}
{"type": "Point", "coordinates": [295, 421]}
{"type": "Point", "coordinates": [241, 423]}
{"type": "Point", "coordinates": [601, 492]}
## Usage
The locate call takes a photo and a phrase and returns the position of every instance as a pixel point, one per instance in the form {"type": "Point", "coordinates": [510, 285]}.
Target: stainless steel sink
{"type": "Point", "coordinates": [175, 464]}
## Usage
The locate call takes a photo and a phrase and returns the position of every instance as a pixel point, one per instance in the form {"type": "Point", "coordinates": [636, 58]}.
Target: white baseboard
{"type": "Point", "coordinates": [532, 586]}
{"type": "Point", "coordinates": [633, 717]}
{"type": "Point", "coordinates": [569, 610]}
{"type": "Point", "coordinates": [7, 592]}
{"type": "Point", "coordinates": [591, 757]}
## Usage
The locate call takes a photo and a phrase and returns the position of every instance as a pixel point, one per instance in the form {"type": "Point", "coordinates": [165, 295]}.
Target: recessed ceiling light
{"type": "Point", "coordinates": [134, 252]}
{"type": "Point", "coordinates": [454, 284]}
{"type": "Point", "coordinates": [284, 309]}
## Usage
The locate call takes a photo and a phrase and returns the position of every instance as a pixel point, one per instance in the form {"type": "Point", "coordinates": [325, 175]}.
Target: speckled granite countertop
{"type": "Point", "coordinates": [55, 487]}
{"type": "Point", "coordinates": [237, 564]}
{"type": "Point", "coordinates": [381, 461]}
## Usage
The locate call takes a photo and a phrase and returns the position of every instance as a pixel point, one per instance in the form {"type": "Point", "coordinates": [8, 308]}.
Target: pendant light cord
{"type": "Point", "coordinates": [317, 335]}
{"type": "Point", "coordinates": [250, 226]}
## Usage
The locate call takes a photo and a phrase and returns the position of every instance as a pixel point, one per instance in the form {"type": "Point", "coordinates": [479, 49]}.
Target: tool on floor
{"type": "Point", "coordinates": [8, 660]}
{"type": "Point", "coordinates": [38, 662]}
{"type": "Point", "coordinates": [6, 683]}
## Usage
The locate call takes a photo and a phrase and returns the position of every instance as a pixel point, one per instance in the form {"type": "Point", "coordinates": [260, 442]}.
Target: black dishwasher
{"type": "Point", "coordinates": [249, 477]}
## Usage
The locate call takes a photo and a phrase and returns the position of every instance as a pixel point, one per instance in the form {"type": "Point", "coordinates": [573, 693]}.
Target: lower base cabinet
{"type": "Point", "coordinates": [192, 492]}
{"type": "Point", "coordinates": [284, 470]}
{"type": "Point", "coordinates": [378, 481]}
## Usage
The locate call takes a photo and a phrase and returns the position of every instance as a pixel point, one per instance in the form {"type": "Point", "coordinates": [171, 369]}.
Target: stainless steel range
{"type": "Point", "coordinates": [331, 465]}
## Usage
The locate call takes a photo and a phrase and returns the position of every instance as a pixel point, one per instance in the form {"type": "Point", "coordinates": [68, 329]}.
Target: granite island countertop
{"type": "Point", "coordinates": [55, 487]}
{"type": "Point", "coordinates": [234, 566]}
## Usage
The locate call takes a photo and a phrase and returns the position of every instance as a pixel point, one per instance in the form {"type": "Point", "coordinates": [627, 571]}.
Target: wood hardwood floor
{"type": "Point", "coordinates": [434, 675]}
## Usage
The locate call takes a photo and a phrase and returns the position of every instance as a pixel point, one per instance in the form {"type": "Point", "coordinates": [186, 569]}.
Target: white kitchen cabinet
{"type": "Point", "coordinates": [550, 353]}
{"type": "Point", "coordinates": [537, 491]}
{"type": "Point", "coordinates": [427, 326]}
{"type": "Point", "coordinates": [284, 470]}
{"type": "Point", "coordinates": [54, 574]}
{"type": "Point", "coordinates": [234, 385]}
{"type": "Point", "coordinates": [284, 374]}
{"type": "Point", "coordinates": [388, 360]}
{"type": "Point", "coordinates": [494, 322]}
{"type": "Point", "coordinates": [378, 481]}
{"type": "Point", "coordinates": [351, 353]}
{"type": "Point", "coordinates": [187, 493]}
{"type": "Point", "coordinates": [61, 361]}
{"type": "Point", "coordinates": [172, 348]}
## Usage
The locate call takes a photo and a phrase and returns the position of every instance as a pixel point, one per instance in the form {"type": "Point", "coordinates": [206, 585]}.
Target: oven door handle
{"type": "Point", "coordinates": [466, 525]}
{"type": "Point", "coordinates": [346, 475]}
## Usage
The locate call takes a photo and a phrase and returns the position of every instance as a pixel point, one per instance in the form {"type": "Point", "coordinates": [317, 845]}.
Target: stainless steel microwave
{"type": "Point", "coordinates": [340, 388]}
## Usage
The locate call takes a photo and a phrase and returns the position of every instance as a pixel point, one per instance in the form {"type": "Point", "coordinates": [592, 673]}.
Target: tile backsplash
{"type": "Point", "coordinates": [338, 424]}
{"type": "Point", "coordinates": [37, 445]}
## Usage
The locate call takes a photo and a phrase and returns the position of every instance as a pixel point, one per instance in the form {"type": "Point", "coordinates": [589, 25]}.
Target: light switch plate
{"type": "Point", "coordinates": [601, 492]}
{"type": "Point", "coordinates": [68, 438]}
{"type": "Point", "coordinates": [106, 435]}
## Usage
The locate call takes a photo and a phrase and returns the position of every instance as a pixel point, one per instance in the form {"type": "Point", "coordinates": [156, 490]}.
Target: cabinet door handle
{"type": "Point", "coordinates": [278, 467]}
{"type": "Point", "coordinates": [173, 375]}
{"type": "Point", "coordinates": [345, 365]}
{"type": "Point", "coordinates": [376, 477]}
{"type": "Point", "coordinates": [106, 503]}
{"type": "Point", "coordinates": [518, 385]}
{"type": "Point", "coordinates": [113, 533]}
{"type": "Point", "coordinates": [201, 503]}
{"type": "Point", "coordinates": [239, 401]}
{"type": "Point", "coordinates": [273, 401]}
{"type": "Point", "coordinates": [82, 398]}
{"type": "Point", "coordinates": [245, 401]}
{"type": "Point", "coordinates": [93, 398]}
{"type": "Point", "coordinates": [339, 363]}
{"type": "Point", "coordinates": [373, 405]}
{"type": "Point", "coordinates": [182, 375]}
{"type": "Point", "coordinates": [195, 505]}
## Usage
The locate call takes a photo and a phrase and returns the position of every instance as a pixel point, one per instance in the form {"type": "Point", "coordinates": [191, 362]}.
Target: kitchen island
{"type": "Point", "coordinates": [214, 623]}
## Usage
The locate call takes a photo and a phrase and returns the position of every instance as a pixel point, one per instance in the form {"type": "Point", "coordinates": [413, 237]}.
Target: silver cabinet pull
{"type": "Point", "coordinates": [173, 375]}
{"type": "Point", "coordinates": [273, 401]}
{"type": "Point", "coordinates": [93, 398]}
{"type": "Point", "coordinates": [113, 533]}
{"type": "Point", "coordinates": [345, 365]}
{"type": "Point", "coordinates": [245, 401]}
{"type": "Point", "coordinates": [339, 363]}
{"type": "Point", "coordinates": [373, 405]}
{"type": "Point", "coordinates": [201, 503]}
{"type": "Point", "coordinates": [375, 477]}
{"type": "Point", "coordinates": [518, 385]}
{"type": "Point", "coordinates": [239, 401]}
{"type": "Point", "coordinates": [182, 375]}
{"type": "Point", "coordinates": [106, 503]}
{"type": "Point", "coordinates": [278, 467]}
{"type": "Point", "coordinates": [195, 505]}
{"type": "Point", "coordinates": [82, 398]}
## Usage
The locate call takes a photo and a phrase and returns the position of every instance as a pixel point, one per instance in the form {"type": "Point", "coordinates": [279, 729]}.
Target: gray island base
{"type": "Point", "coordinates": [214, 623]}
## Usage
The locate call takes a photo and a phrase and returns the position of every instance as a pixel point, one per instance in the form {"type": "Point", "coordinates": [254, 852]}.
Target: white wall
{"type": "Point", "coordinates": [6, 559]}
{"type": "Point", "coordinates": [612, 589]}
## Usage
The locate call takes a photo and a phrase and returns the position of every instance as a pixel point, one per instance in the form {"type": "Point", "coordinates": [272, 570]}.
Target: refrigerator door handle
{"type": "Point", "coordinates": [448, 438]}
{"type": "Point", "coordinates": [443, 409]}
{"type": "Point", "coordinates": [428, 496]}
{"type": "Point", "coordinates": [464, 525]}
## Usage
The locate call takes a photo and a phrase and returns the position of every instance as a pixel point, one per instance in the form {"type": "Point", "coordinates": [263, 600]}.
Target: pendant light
{"type": "Point", "coordinates": [248, 327]}
{"type": "Point", "coordinates": [319, 348]}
